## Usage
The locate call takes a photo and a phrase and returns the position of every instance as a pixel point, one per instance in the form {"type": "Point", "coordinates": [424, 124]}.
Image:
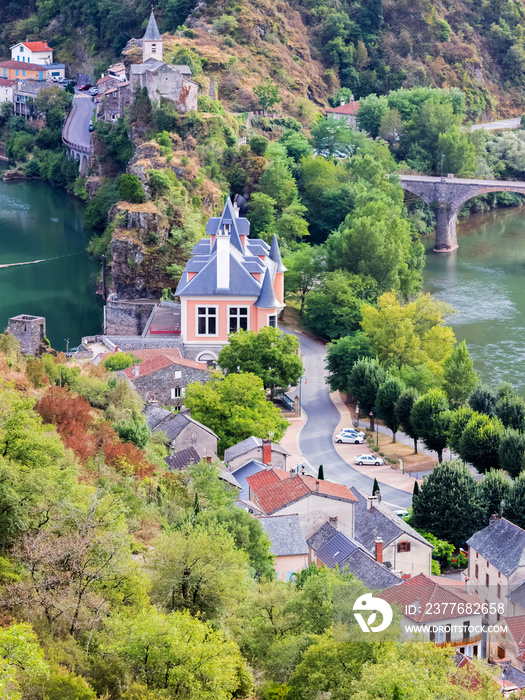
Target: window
{"type": "Point", "coordinates": [238, 316]}
{"type": "Point", "coordinates": [154, 48]}
{"type": "Point", "coordinates": [176, 393]}
{"type": "Point", "coordinates": [403, 546]}
{"type": "Point", "coordinates": [477, 571]}
{"type": "Point", "coordinates": [289, 575]}
{"type": "Point", "coordinates": [206, 320]}
{"type": "Point", "coordinates": [499, 590]}
{"type": "Point", "coordinates": [21, 49]}
{"type": "Point", "coordinates": [466, 625]}
{"type": "Point", "coordinates": [23, 72]}
{"type": "Point", "coordinates": [272, 321]}
{"type": "Point", "coordinates": [177, 374]}
{"type": "Point", "coordinates": [487, 580]}
{"type": "Point", "coordinates": [16, 71]}
{"type": "Point", "coordinates": [448, 630]}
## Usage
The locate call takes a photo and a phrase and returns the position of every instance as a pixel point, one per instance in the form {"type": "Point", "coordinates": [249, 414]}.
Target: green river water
{"type": "Point", "coordinates": [484, 280]}
{"type": "Point", "coordinates": [37, 222]}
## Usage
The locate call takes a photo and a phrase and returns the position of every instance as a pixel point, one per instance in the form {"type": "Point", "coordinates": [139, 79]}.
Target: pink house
{"type": "Point", "coordinates": [231, 282]}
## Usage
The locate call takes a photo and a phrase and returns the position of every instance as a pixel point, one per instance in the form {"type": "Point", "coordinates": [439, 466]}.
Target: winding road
{"type": "Point", "coordinates": [315, 439]}
{"type": "Point", "coordinates": [76, 127]}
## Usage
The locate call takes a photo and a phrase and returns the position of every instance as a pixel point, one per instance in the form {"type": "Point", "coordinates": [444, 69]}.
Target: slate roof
{"type": "Point", "coordinates": [517, 595]}
{"type": "Point", "coordinates": [174, 423]}
{"type": "Point", "coordinates": [152, 31]}
{"type": "Point", "coordinates": [285, 534]}
{"type": "Point", "coordinates": [513, 676]}
{"type": "Point", "coordinates": [150, 65]}
{"type": "Point", "coordinates": [502, 543]}
{"type": "Point", "coordinates": [185, 70]}
{"type": "Point", "coordinates": [248, 257]}
{"type": "Point", "coordinates": [155, 415]}
{"type": "Point", "coordinates": [249, 469]}
{"type": "Point", "coordinates": [245, 446]}
{"type": "Point", "coordinates": [333, 548]}
{"type": "Point", "coordinates": [381, 522]}
{"type": "Point", "coordinates": [226, 476]}
{"type": "Point", "coordinates": [278, 494]}
{"type": "Point", "coordinates": [31, 88]}
{"type": "Point", "coordinates": [181, 460]}
{"type": "Point", "coordinates": [431, 597]}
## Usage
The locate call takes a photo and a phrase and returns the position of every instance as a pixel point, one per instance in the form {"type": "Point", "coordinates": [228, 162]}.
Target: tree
{"type": "Point", "coordinates": [459, 376]}
{"type": "Point", "coordinates": [495, 489]}
{"type": "Point", "coordinates": [510, 409]}
{"type": "Point", "coordinates": [261, 213]}
{"type": "Point", "coordinates": [192, 570]}
{"type": "Point", "coordinates": [460, 152]}
{"type": "Point", "coordinates": [515, 503]}
{"type": "Point", "coordinates": [291, 225]}
{"type": "Point", "coordinates": [391, 129]}
{"type": "Point", "coordinates": [429, 418]}
{"type": "Point", "coordinates": [320, 473]}
{"type": "Point", "coordinates": [305, 268]}
{"type": "Point", "coordinates": [267, 92]}
{"type": "Point", "coordinates": [131, 190]}
{"type": "Point", "coordinates": [341, 356]}
{"type": "Point", "coordinates": [366, 377]}
{"type": "Point", "coordinates": [375, 488]}
{"type": "Point", "coordinates": [458, 422]}
{"type": "Point", "coordinates": [371, 112]}
{"type": "Point", "coordinates": [483, 400]}
{"type": "Point", "coordinates": [332, 137]}
{"type": "Point", "coordinates": [235, 408]}
{"type": "Point", "coordinates": [278, 183]}
{"type": "Point", "coordinates": [511, 451]}
{"type": "Point", "coordinates": [479, 443]}
{"type": "Point", "coordinates": [449, 503]}
{"type": "Point", "coordinates": [178, 654]}
{"type": "Point", "coordinates": [20, 655]}
{"type": "Point", "coordinates": [403, 410]}
{"type": "Point", "coordinates": [387, 396]}
{"type": "Point", "coordinates": [333, 308]}
{"type": "Point", "coordinates": [415, 490]}
{"type": "Point", "coordinates": [270, 354]}
{"type": "Point", "coordinates": [120, 360]}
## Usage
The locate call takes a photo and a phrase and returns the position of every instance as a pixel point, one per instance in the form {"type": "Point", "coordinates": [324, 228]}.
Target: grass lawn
{"type": "Point", "coordinates": [398, 450]}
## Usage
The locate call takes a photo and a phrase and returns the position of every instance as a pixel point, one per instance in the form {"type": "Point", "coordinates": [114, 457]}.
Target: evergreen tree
{"type": "Point", "coordinates": [495, 489]}
{"type": "Point", "coordinates": [515, 504]}
{"type": "Point", "coordinates": [415, 491]}
{"type": "Point", "coordinates": [449, 503]}
{"type": "Point", "coordinates": [403, 409]}
{"type": "Point", "coordinates": [458, 422]}
{"type": "Point", "coordinates": [459, 378]}
{"type": "Point", "coordinates": [320, 473]}
{"type": "Point", "coordinates": [511, 451]}
{"type": "Point", "coordinates": [483, 400]}
{"type": "Point", "coordinates": [386, 399]}
{"type": "Point", "coordinates": [366, 377]}
{"type": "Point", "coordinates": [431, 419]}
{"type": "Point", "coordinates": [375, 488]}
{"type": "Point", "coordinates": [510, 409]}
{"type": "Point", "coordinates": [479, 443]}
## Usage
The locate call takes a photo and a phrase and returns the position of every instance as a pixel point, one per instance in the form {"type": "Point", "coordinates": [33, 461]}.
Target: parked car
{"type": "Point", "coordinates": [352, 430]}
{"type": "Point", "coordinates": [368, 459]}
{"type": "Point", "coordinates": [91, 126]}
{"type": "Point", "coordinates": [85, 87]}
{"type": "Point", "coordinates": [402, 512]}
{"type": "Point", "coordinates": [349, 438]}
{"type": "Point", "coordinates": [93, 90]}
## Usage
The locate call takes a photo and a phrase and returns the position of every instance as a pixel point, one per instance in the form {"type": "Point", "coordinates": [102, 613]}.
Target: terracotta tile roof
{"type": "Point", "coordinates": [7, 83]}
{"type": "Point", "coordinates": [279, 493]}
{"type": "Point", "coordinates": [105, 79]}
{"type": "Point", "coordinates": [37, 45]}
{"type": "Point", "coordinates": [22, 66]}
{"type": "Point", "coordinates": [516, 625]}
{"type": "Point", "coordinates": [351, 108]}
{"type": "Point", "coordinates": [431, 596]}
{"type": "Point", "coordinates": [165, 356]}
{"type": "Point", "coordinates": [147, 367]}
{"type": "Point", "coordinates": [266, 477]}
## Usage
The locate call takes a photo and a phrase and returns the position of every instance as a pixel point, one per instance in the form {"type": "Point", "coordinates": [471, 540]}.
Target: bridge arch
{"type": "Point", "coordinates": [446, 196]}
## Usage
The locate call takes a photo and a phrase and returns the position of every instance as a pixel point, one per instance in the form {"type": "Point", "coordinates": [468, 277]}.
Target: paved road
{"type": "Point", "coordinates": [503, 124]}
{"type": "Point", "coordinates": [76, 128]}
{"type": "Point", "coordinates": [462, 181]}
{"type": "Point", "coordinates": [315, 439]}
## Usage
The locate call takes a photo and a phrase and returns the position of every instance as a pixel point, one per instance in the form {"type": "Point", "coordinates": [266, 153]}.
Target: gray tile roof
{"type": "Point", "coordinates": [381, 522]}
{"type": "Point", "coordinates": [373, 574]}
{"type": "Point", "coordinates": [267, 298]}
{"type": "Point", "coordinates": [285, 534]}
{"type": "Point", "coordinates": [275, 255]}
{"type": "Point", "coordinates": [502, 543]}
{"type": "Point", "coordinates": [155, 415]}
{"type": "Point", "coordinates": [336, 550]}
{"type": "Point", "coordinates": [517, 595]}
{"type": "Point", "coordinates": [205, 283]}
{"type": "Point", "coordinates": [513, 675]}
{"type": "Point", "coordinates": [322, 536]}
{"type": "Point", "coordinates": [152, 31]}
{"type": "Point", "coordinates": [249, 469]}
{"type": "Point", "coordinates": [176, 422]}
{"type": "Point", "coordinates": [140, 68]}
{"type": "Point", "coordinates": [181, 460]}
{"type": "Point", "coordinates": [241, 448]}
{"type": "Point", "coordinates": [226, 476]}
{"type": "Point", "coordinates": [185, 70]}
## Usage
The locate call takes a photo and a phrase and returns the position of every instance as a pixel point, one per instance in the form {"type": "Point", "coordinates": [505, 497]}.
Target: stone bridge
{"type": "Point", "coordinates": [75, 132]}
{"type": "Point", "coordinates": [447, 195]}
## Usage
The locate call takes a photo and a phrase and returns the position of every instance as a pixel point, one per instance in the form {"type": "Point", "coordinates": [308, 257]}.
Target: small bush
{"type": "Point", "coordinates": [120, 360]}
{"type": "Point", "coordinates": [226, 24]}
{"type": "Point", "coordinates": [131, 190]}
{"type": "Point", "coordinates": [159, 183]}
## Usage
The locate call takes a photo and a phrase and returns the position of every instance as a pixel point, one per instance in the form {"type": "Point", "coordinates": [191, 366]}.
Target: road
{"type": "Point", "coordinates": [315, 439]}
{"type": "Point", "coordinates": [503, 124]}
{"type": "Point", "coordinates": [76, 128]}
{"type": "Point", "coordinates": [462, 181]}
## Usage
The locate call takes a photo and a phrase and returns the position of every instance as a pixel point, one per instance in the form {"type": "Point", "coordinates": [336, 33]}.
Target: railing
{"type": "Point", "coordinates": [460, 642]}
{"type": "Point", "coordinates": [288, 402]}
{"type": "Point", "coordinates": [71, 144]}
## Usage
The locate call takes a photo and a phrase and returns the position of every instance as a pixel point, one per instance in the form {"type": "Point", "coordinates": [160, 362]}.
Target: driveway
{"type": "Point", "coordinates": [76, 128]}
{"type": "Point", "coordinates": [316, 441]}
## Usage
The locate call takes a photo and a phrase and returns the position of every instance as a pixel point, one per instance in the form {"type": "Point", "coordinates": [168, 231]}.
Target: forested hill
{"type": "Point", "coordinates": [369, 46]}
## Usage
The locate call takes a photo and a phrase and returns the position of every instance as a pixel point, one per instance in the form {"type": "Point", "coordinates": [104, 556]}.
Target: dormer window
{"type": "Point", "coordinates": [227, 228]}
{"type": "Point", "coordinates": [154, 48]}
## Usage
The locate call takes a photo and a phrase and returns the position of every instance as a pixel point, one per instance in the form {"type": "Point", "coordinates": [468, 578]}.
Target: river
{"type": "Point", "coordinates": [39, 222]}
{"type": "Point", "coordinates": [484, 280]}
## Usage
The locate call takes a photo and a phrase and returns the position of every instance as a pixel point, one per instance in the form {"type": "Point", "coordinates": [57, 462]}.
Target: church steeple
{"type": "Point", "coordinates": [152, 40]}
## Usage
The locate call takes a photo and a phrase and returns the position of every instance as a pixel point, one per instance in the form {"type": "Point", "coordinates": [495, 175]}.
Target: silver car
{"type": "Point", "coordinates": [349, 438]}
{"type": "Point", "coordinates": [368, 459]}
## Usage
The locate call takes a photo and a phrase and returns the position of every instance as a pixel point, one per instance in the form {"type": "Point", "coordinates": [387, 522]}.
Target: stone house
{"type": "Point", "coordinates": [163, 375]}
{"type": "Point", "coordinates": [182, 431]}
{"type": "Point", "coordinates": [24, 97]}
{"type": "Point", "coordinates": [315, 501]}
{"type": "Point", "coordinates": [287, 544]}
{"type": "Point", "coordinates": [254, 448]}
{"type": "Point", "coordinates": [345, 112]}
{"type": "Point", "coordinates": [403, 548]}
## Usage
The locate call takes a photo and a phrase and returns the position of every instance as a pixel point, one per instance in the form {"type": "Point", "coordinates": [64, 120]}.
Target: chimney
{"type": "Point", "coordinates": [222, 241]}
{"type": "Point", "coordinates": [136, 371]}
{"type": "Point", "coordinates": [405, 577]}
{"type": "Point", "coordinates": [370, 502]}
{"type": "Point", "coordinates": [467, 584]}
{"type": "Point", "coordinates": [379, 549]}
{"type": "Point", "coordinates": [317, 486]}
{"type": "Point", "coordinates": [334, 522]}
{"type": "Point", "coordinates": [342, 103]}
{"type": "Point", "coordinates": [267, 451]}
{"type": "Point", "coordinates": [493, 518]}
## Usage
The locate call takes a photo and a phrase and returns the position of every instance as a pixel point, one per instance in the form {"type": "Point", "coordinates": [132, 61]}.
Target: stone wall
{"type": "Point", "coordinates": [157, 386]}
{"type": "Point", "coordinates": [193, 436]}
{"type": "Point", "coordinates": [127, 317]}
{"type": "Point", "coordinates": [30, 332]}
{"type": "Point", "coordinates": [167, 82]}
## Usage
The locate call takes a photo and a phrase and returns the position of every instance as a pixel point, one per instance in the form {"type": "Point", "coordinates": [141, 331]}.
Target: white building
{"type": "Point", "coordinates": [38, 52]}
{"type": "Point", "coordinates": [6, 90]}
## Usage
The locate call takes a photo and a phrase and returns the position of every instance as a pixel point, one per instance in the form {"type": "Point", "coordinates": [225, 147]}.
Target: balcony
{"type": "Point", "coordinates": [460, 642]}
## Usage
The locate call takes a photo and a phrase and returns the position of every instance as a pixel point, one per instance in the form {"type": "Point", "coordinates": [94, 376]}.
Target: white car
{"type": "Point", "coordinates": [368, 459]}
{"type": "Point", "coordinates": [352, 430]}
{"type": "Point", "coordinates": [349, 437]}
{"type": "Point", "coordinates": [93, 90]}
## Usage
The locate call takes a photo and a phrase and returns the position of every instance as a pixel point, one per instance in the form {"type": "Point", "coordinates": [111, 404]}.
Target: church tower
{"type": "Point", "coordinates": [152, 41]}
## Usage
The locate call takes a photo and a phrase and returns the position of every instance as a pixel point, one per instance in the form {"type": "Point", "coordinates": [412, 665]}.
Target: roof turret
{"type": "Point", "coordinates": [152, 31]}
{"type": "Point", "coordinates": [267, 298]}
{"type": "Point", "coordinates": [275, 255]}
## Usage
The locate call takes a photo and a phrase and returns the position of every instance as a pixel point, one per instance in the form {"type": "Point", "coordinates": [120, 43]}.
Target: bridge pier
{"type": "Point", "coordinates": [446, 239]}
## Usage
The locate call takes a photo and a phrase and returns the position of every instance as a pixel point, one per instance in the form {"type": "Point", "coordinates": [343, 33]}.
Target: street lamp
{"type": "Point", "coordinates": [442, 159]}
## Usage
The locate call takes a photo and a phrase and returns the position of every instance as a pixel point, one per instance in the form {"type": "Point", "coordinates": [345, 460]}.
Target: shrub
{"type": "Point", "coordinates": [226, 24]}
{"type": "Point", "coordinates": [159, 183]}
{"type": "Point", "coordinates": [131, 190]}
{"type": "Point", "coordinates": [120, 360]}
{"type": "Point", "coordinates": [259, 144]}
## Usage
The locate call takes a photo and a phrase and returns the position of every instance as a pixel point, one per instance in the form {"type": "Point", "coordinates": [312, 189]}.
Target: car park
{"type": "Point", "coordinates": [349, 438]}
{"type": "Point", "coordinates": [368, 459]}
